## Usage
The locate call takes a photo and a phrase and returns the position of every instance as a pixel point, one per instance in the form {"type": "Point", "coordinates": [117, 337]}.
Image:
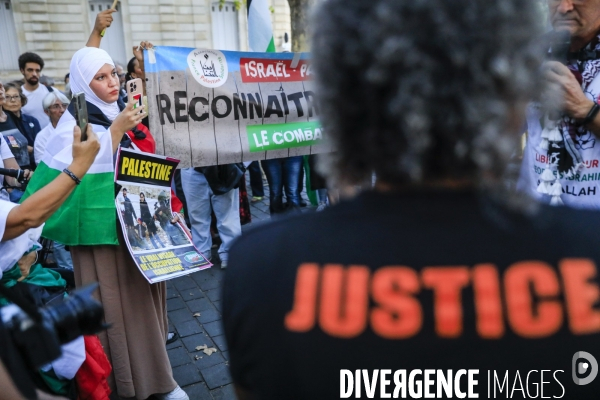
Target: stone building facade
{"type": "Point", "coordinates": [55, 29]}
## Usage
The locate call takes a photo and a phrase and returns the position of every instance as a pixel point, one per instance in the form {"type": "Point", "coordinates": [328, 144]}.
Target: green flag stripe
{"type": "Point", "coordinates": [271, 48]}
{"type": "Point", "coordinates": [88, 215]}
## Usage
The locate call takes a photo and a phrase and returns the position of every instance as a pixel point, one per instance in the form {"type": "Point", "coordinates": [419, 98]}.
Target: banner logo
{"type": "Point", "coordinates": [580, 367]}
{"type": "Point", "coordinates": [208, 67]}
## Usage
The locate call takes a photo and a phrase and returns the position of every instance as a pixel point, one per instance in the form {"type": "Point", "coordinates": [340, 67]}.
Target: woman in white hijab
{"type": "Point", "coordinates": [135, 309]}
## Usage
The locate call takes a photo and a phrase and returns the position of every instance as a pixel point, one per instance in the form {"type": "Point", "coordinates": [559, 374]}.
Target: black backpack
{"type": "Point", "coordinates": [223, 178]}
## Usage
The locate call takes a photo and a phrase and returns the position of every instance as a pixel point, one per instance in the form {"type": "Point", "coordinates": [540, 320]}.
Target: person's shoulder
{"type": "Point", "coordinates": [291, 225]}
{"type": "Point", "coordinates": [577, 220]}
{"type": "Point", "coordinates": [44, 132]}
{"type": "Point", "coordinates": [29, 118]}
{"type": "Point", "coordinates": [47, 129]}
{"type": "Point", "coordinates": [8, 124]}
{"type": "Point", "coordinates": [571, 228]}
{"type": "Point", "coordinates": [5, 149]}
{"type": "Point", "coordinates": [277, 236]}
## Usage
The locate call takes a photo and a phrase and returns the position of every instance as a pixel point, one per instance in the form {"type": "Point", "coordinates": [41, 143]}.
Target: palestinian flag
{"type": "Point", "coordinates": [260, 30]}
{"type": "Point", "coordinates": [88, 216]}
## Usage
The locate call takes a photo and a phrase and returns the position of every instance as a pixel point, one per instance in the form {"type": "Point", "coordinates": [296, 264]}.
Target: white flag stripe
{"type": "Point", "coordinates": [59, 152]}
{"type": "Point", "coordinates": [260, 30]}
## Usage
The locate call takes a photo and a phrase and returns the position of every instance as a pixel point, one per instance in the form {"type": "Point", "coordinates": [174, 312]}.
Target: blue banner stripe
{"type": "Point", "coordinates": [170, 58]}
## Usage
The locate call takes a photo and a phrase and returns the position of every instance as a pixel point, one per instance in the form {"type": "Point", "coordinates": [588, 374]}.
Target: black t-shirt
{"type": "Point", "coordinates": [416, 281]}
{"type": "Point", "coordinates": [16, 141]}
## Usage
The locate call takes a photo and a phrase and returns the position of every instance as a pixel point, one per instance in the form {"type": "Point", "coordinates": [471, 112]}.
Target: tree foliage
{"type": "Point", "coordinates": [299, 10]}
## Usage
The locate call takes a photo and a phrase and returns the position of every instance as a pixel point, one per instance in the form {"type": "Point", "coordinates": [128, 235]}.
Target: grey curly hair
{"type": "Point", "coordinates": [422, 90]}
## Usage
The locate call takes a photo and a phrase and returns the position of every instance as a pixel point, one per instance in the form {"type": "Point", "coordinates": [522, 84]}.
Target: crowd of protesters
{"type": "Point", "coordinates": [32, 111]}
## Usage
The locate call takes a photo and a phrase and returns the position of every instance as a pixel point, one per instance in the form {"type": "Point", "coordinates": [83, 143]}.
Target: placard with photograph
{"type": "Point", "coordinates": [157, 238]}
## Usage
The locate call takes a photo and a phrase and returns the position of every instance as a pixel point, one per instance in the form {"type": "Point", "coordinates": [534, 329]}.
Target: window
{"type": "Point", "coordinates": [9, 50]}
{"type": "Point", "coordinates": [114, 39]}
{"type": "Point", "coordinates": [225, 29]}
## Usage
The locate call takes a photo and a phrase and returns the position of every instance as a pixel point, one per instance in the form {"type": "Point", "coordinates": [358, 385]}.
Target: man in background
{"type": "Point", "coordinates": [31, 66]}
{"type": "Point", "coordinates": [121, 73]}
{"type": "Point", "coordinates": [202, 200]}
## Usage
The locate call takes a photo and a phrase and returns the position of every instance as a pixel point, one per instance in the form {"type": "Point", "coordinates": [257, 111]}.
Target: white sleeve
{"type": "Point", "coordinates": [12, 250]}
{"type": "Point", "coordinates": [39, 146]}
{"type": "Point", "coordinates": [4, 149]}
{"type": "Point", "coordinates": [5, 207]}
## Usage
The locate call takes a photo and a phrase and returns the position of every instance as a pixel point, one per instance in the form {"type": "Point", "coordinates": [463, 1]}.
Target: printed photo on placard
{"type": "Point", "coordinates": [157, 238]}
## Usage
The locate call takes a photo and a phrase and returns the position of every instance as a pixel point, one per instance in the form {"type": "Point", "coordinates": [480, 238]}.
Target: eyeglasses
{"type": "Point", "coordinates": [62, 106]}
{"type": "Point", "coordinates": [13, 98]}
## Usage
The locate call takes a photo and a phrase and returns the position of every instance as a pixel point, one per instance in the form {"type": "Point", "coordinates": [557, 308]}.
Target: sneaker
{"type": "Point", "coordinates": [322, 206]}
{"type": "Point", "coordinates": [175, 394]}
{"type": "Point", "coordinates": [223, 264]}
{"type": "Point", "coordinates": [254, 199]}
{"type": "Point", "coordinates": [171, 337]}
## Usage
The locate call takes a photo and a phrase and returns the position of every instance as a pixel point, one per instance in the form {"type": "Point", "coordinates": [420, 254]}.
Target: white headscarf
{"type": "Point", "coordinates": [85, 64]}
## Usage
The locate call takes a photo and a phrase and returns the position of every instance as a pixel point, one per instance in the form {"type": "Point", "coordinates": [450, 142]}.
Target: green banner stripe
{"type": "Point", "coordinates": [284, 136]}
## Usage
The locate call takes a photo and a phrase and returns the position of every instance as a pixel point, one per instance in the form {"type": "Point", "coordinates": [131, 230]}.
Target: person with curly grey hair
{"type": "Point", "coordinates": [459, 277]}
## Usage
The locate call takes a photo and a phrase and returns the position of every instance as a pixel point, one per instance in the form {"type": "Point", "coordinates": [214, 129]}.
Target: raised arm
{"type": "Point", "coordinates": [138, 53]}
{"type": "Point", "coordinates": [103, 21]}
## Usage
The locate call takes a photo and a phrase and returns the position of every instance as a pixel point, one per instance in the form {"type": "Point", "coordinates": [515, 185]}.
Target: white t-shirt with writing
{"type": "Point", "coordinates": [580, 191]}
{"type": "Point", "coordinates": [34, 106]}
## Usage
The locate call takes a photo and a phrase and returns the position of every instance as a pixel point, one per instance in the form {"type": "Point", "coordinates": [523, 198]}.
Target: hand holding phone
{"type": "Point", "coordinates": [81, 114]}
{"type": "Point", "coordinates": [135, 92]}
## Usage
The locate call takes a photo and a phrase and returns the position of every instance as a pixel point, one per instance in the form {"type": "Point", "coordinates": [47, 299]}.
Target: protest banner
{"type": "Point", "coordinates": [162, 250]}
{"type": "Point", "coordinates": [210, 107]}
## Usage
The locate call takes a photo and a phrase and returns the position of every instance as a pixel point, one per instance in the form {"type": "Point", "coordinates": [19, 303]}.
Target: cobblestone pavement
{"type": "Point", "coordinates": [194, 310]}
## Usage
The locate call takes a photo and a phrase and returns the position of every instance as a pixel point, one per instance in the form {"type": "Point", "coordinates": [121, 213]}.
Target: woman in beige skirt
{"type": "Point", "coordinates": [134, 308]}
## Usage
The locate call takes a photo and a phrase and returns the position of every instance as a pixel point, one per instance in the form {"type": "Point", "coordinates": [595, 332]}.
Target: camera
{"type": "Point", "coordinates": [38, 333]}
{"type": "Point", "coordinates": [18, 174]}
